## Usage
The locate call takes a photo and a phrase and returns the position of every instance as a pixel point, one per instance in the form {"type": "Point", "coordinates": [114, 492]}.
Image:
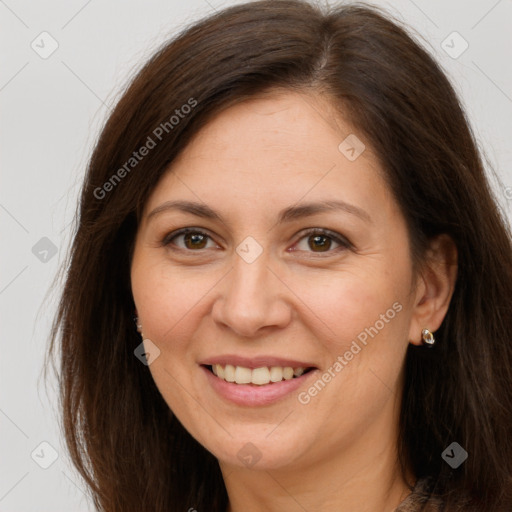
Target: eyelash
{"type": "Point", "coordinates": [343, 242]}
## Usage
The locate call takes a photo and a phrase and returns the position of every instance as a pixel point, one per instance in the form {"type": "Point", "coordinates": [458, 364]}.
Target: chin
{"type": "Point", "coordinates": [257, 452]}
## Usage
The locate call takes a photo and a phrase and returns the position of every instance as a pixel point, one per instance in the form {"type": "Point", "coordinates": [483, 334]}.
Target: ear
{"type": "Point", "coordinates": [434, 287]}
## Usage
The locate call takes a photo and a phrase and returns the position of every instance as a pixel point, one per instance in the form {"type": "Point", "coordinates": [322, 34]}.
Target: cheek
{"type": "Point", "coordinates": [169, 305]}
{"type": "Point", "coordinates": [169, 299]}
{"type": "Point", "coordinates": [338, 306]}
{"type": "Point", "coordinates": [356, 303]}
{"type": "Point", "coordinates": [360, 321]}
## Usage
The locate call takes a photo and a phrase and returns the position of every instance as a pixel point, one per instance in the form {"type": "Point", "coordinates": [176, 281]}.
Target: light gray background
{"type": "Point", "coordinates": [52, 110]}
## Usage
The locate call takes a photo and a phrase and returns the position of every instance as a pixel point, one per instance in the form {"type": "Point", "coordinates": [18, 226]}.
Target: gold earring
{"type": "Point", "coordinates": [427, 337]}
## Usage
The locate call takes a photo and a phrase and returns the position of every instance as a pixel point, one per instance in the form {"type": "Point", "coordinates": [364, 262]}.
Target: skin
{"type": "Point", "coordinates": [337, 452]}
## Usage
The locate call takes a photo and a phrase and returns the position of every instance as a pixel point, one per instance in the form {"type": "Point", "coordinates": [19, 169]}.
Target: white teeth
{"type": "Point", "coordinates": [288, 373]}
{"type": "Point", "coordinates": [229, 373]}
{"type": "Point", "coordinates": [276, 373]}
{"type": "Point", "coordinates": [258, 376]}
{"type": "Point", "coordinates": [220, 371]}
{"type": "Point", "coordinates": [242, 375]}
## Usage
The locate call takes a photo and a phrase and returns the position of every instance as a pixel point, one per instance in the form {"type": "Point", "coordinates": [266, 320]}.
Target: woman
{"type": "Point", "coordinates": [291, 204]}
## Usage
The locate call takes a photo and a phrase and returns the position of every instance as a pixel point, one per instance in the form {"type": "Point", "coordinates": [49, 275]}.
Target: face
{"type": "Point", "coordinates": [286, 254]}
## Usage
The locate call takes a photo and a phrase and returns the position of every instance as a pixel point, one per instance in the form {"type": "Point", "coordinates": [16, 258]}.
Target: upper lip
{"type": "Point", "coordinates": [254, 362]}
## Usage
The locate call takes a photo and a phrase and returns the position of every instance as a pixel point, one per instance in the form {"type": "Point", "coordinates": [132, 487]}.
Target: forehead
{"type": "Point", "coordinates": [275, 149]}
{"type": "Point", "coordinates": [302, 124]}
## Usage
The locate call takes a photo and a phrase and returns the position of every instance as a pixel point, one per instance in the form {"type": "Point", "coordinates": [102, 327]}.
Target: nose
{"type": "Point", "coordinates": [253, 299]}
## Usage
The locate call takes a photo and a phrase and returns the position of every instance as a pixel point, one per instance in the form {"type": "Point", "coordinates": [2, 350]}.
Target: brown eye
{"type": "Point", "coordinates": [192, 239]}
{"type": "Point", "coordinates": [321, 241]}
{"type": "Point", "coordinates": [195, 240]}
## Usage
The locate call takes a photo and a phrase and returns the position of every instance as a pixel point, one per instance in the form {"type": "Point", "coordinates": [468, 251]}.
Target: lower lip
{"type": "Point", "coordinates": [252, 394]}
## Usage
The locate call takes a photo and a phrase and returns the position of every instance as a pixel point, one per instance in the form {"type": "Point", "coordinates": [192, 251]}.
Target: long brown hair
{"type": "Point", "coordinates": [126, 443]}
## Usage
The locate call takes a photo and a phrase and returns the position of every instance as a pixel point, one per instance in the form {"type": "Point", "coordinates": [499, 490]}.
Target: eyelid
{"type": "Point", "coordinates": [338, 238]}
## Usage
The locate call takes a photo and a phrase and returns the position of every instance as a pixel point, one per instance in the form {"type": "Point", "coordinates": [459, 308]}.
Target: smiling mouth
{"type": "Point", "coordinates": [257, 376]}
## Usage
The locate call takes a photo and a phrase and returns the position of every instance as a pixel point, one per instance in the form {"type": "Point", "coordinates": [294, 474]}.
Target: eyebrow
{"type": "Point", "coordinates": [287, 215]}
